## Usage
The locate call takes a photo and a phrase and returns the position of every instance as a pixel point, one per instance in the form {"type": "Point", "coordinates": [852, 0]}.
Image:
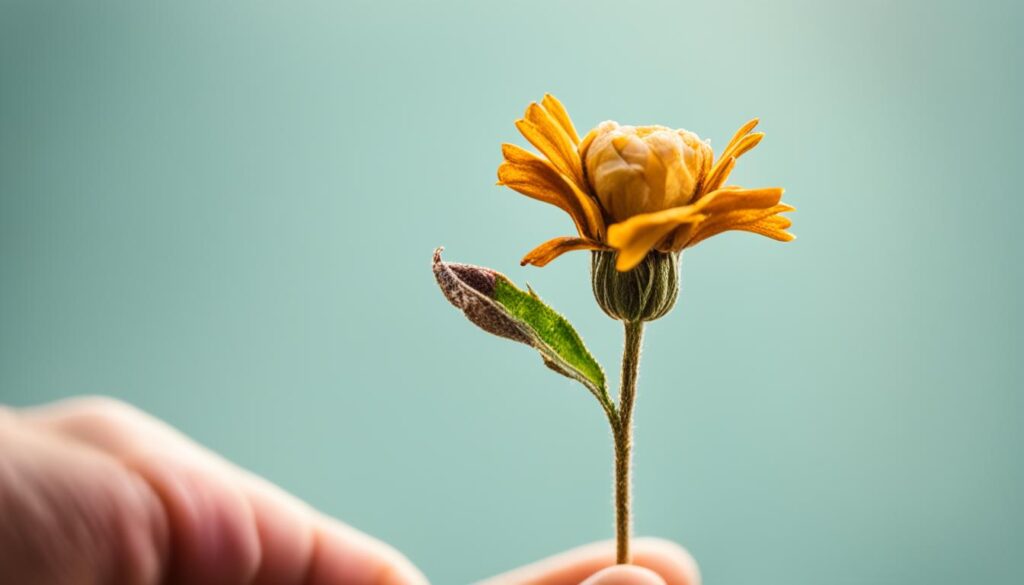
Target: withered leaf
{"type": "Point", "coordinates": [492, 302]}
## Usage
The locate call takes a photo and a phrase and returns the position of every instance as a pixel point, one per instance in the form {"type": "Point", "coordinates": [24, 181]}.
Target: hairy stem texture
{"type": "Point", "coordinates": [623, 436]}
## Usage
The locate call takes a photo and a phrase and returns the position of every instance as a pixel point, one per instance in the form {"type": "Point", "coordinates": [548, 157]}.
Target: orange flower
{"type": "Point", "coordinates": [634, 189]}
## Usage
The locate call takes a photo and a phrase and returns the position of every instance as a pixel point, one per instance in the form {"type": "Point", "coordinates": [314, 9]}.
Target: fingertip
{"type": "Point", "coordinates": [624, 575]}
{"type": "Point", "coordinates": [667, 558]}
{"type": "Point", "coordinates": [671, 562]}
{"type": "Point", "coordinates": [343, 555]}
{"type": "Point", "coordinates": [286, 534]}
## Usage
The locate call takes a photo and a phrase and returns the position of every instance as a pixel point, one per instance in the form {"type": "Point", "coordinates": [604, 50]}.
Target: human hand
{"type": "Point", "coordinates": [655, 562]}
{"type": "Point", "coordinates": [95, 491]}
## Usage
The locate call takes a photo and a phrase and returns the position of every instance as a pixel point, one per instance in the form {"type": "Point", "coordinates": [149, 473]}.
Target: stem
{"type": "Point", "coordinates": [623, 435]}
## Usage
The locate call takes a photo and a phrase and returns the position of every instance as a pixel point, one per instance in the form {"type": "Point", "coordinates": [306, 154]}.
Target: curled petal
{"type": "Point", "coordinates": [718, 174]}
{"type": "Point", "coordinates": [680, 236]}
{"type": "Point", "coordinates": [724, 201]}
{"type": "Point", "coordinates": [534, 177]}
{"type": "Point", "coordinates": [638, 235]}
{"type": "Point", "coordinates": [584, 144]}
{"type": "Point", "coordinates": [557, 111]}
{"type": "Point", "coordinates": [743, 131]}
{"type": "Point", "coordinates": [773, 227]}
{"type": "Point", "coordinates": [736, 198]}
{"type": "Point", "coordinates": [740, 143]}
{"type": "Point", "coordinates": [745, 220]}
{"type": "Point", "coordinates": [543, 131]}
{"type": "Point", "coordinates": [553, 248]}
{"type": "Point", "coordinates": [744, 145]}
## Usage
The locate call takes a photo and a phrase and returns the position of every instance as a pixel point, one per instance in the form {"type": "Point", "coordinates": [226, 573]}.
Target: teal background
{"type": "Point", "coordinates": [224, 214]}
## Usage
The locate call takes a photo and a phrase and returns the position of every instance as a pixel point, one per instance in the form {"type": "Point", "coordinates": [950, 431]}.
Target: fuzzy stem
{"type": "Point", "coordinates": [623, 435]}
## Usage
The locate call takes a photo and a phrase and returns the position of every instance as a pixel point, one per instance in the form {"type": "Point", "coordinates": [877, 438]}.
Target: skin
{"type": "Point", "coordinates": [93, 491]}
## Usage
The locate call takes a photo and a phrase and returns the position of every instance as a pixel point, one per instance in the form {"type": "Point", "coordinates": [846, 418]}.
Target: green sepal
{"type": "Point", "coordinates": [644, 293]}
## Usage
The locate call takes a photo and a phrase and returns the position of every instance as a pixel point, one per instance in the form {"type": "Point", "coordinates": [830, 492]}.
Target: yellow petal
{"type": "Point", "coordinates": [718, 174]}
{"type": "Point", "coordinates": [776, 221]}
{"type": "Point", "coordinates": [773, 227]}
{"type": "Point", "coordinates": [736, 198]}
{"type": "Point", "coordinates": [534, 177]}
{"type": "Point", "coordinates": [557, 111]}
{"type": "Point", "coordinates": [554, 248]}
{"type": "Point", "coordinates": [584, 144]}
{"type": "Point", "coordinates": [741, 142]}
{"type": "Point", "coordinates": [744, 144]}
{"type": "Point", "coordinates": [548, 136]}
{"type": "Point", "coordinates": [638, 235]}
{"type": "Point", "coordinates": [743, 131]}
{"type": "Point", "coordinates": [746, 220]}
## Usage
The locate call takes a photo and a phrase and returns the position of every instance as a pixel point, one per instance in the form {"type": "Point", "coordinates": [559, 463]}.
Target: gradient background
{"type": "Point", "coordinates": [225, 215]}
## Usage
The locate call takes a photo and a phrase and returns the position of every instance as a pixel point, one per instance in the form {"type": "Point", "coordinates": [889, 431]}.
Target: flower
{"type": "Point", "coordinates": [634, 189]}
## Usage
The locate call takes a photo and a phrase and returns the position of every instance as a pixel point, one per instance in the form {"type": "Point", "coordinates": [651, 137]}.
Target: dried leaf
{"type": "Point", "coordinates": [492, 302]}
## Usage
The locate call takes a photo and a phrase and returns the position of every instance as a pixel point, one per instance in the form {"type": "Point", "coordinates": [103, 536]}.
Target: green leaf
{"type": "Point", "coordinates": [496, 305]}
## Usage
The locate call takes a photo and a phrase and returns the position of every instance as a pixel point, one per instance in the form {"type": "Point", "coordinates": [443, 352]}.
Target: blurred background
{"type": "Point", "coordinates": [224, 215]}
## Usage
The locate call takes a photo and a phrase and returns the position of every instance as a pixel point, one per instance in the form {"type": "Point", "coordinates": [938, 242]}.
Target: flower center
{"type": "Point", "coordinates": [642, 169]}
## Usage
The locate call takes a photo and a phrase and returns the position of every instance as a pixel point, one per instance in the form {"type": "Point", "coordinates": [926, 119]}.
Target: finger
{"type": "Point", "coordinates": [214, 535]}
{"type": "Point", "coordinates": [665, 558]}
{"type": "Point", "coordinates": [334, 553]}
{"type": "Point", "coordinates": [624, 575]}
{"type": "Point", "coordinates": [264, 535]}
{"type": "Point", "coordinates": [286, 534]}
{"type": "Point", "coordinates": [226, 530]}
{"type": "Point", "coordinates": [346, 556]}
{"type": "Point", "coordinates": [73, 514]}
{"type": "Point", "coordinates": [213, 529]}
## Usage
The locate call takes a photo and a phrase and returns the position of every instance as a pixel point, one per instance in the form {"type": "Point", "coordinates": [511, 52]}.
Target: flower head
{"type": "Point", "coordinates": [633, 170]}
{"type": "Point", "coordinates": [634, 189]}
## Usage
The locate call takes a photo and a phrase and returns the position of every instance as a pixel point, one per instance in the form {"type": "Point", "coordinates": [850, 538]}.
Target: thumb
{"type": "Point", "coordinates": [624, 575]}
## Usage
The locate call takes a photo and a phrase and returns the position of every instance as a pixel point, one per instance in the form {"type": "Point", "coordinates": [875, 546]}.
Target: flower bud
{"type": "Point", "coordinates": [645, 293]}
{"type": "Point", "coordinates": [642, 169]}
